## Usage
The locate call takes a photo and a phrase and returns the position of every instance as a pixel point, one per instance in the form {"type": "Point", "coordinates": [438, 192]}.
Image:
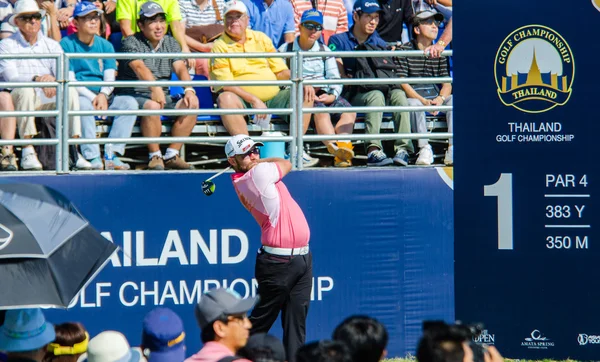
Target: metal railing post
{"type": "Point", "coordinates": [58, 119]}
{"type": "Point", "coordinates": [299, 113]}
{"type": "Point", "coordinates": [293, 95]}
{"type": "Point", "coordinates": [65, 115]}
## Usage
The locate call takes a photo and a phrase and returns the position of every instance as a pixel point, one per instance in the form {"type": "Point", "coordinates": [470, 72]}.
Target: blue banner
{"type": "Point", "coordinates": [525, 194]}
{"type": "Point", "coordinates": [381, 242]}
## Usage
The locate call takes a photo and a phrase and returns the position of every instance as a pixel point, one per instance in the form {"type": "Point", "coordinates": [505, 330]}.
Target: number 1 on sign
{"type": "Point", "coordinates": [502, 189]}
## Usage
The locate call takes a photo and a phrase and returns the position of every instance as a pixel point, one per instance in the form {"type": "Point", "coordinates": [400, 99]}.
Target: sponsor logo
{"type": "Point", "coordinates": [312, 13]}
{"type": "Point", "coordinates": [239, 143]}
{"type": "Point", "coordinates": [534, 69]}
{"type": "Point", "coordinates": [537, 341]}
{"type": "Point", "coordinates": [370, 4]}
{"type": "Point", "coordinates": [584, 339]}
{"type": "Point", "coordinates": [6, 236]}
{"type": "Point", "coordinates": [485, 337]}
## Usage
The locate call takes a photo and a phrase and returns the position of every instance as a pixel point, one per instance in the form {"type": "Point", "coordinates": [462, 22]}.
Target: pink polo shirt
{"type": "Point", "coordinates": [282, 222]}
{"type": "Point", "coordinates": [212, 352]}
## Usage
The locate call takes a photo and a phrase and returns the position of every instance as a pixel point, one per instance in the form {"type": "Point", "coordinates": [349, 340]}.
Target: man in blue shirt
{"type": "Point", "coordinates": [274, 18]}
{"type": "Point", "coordinates": [86, 18]}
{"type": "Point", "coordinates": [366, 17]}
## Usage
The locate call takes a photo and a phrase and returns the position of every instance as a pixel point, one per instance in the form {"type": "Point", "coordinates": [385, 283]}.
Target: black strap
{"type": "Point", "coordinates": [229, 359]}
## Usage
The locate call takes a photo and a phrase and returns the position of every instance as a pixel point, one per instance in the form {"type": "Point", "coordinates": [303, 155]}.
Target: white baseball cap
{"type": "Point", "coordinates": [24, 7]}
{"type": "Point", "coordinates": [235, 5]}
{"type": "Point", "coordinates": [110, 346]}
{"type": "Point", "coordinates": [239, 145]}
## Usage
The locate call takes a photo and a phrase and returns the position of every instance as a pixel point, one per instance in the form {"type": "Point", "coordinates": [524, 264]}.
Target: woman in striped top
{"type": "Point", "coordinates": [198, 13]}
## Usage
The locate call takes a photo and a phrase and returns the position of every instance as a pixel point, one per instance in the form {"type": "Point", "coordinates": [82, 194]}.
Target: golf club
{"type": "Point", "coordinates": [208, 187]}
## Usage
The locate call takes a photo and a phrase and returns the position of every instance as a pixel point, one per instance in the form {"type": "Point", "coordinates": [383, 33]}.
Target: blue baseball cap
{"type": "Point", "coordinates": [367, 6]}
{"type": "Point", "coordinates": [85, 7]}
{"type": "Point", "coordinates": [25, 330]}
{"type": "Point", "coordinates": [312, 15]}
{"type": "Point", "coordinates": [163, 338]}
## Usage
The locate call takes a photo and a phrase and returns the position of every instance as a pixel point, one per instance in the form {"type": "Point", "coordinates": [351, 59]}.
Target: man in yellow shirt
{"type": "Point", "coordinates": [238, 39]}
{"type": "Point", "coordinates": [128, 15]}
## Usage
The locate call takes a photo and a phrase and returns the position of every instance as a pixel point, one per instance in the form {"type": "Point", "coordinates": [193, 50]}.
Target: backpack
{"type": "Point", "coordinates": [368, 67]}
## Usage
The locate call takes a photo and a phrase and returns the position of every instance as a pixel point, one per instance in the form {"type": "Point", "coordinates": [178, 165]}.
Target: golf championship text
{"type": "Point", "coordinates": [218, 248]}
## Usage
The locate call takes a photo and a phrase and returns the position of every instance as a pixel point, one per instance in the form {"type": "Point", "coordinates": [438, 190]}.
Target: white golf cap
{"type": "Point", "coordinates": [24, 7]}
{"type": "Point", "coordinates": [235, 5]}
{"type": "Point", "coordinates": [240, 144]}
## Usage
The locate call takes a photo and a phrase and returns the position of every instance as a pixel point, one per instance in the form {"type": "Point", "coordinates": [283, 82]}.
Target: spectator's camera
{"type": "Point", "coordinates": [469, 333]}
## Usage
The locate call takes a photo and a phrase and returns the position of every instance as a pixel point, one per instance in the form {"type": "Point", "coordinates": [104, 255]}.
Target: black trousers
{"type": "Point", "coordinates": [284, 284]}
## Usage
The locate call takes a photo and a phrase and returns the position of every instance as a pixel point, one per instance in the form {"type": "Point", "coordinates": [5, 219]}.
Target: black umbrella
{"type": "Point", "coordinates": [48, 250]}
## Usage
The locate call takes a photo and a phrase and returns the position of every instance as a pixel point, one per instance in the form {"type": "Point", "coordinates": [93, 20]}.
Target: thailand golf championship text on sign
{"type": "Point", "coordinates": [525, 206]}
{"type": "Point", "coordinates": [227, 246]}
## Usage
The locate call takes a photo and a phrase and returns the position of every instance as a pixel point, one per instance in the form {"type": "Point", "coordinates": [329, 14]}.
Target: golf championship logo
{"type": "Point", "coordinates": [534, 69]}
{"type": "Point", "coordinates": [6, 235]}
{"type": "Point", "coordinates": [596, 4]}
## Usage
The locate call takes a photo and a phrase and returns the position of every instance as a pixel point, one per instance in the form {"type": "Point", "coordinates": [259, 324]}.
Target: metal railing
{"type": "Point", "coordinates": [296, 110]}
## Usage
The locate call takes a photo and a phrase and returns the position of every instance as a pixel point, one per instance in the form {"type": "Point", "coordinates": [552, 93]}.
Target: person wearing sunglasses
{"type": "Point", "coordinates": [311, 27]}
{"type": "Point", "coordinates": [425, 31]}
{"type": "Point", "coordinates": [29, 40]}
{"type": "Point", "coordinates": [284, 262]}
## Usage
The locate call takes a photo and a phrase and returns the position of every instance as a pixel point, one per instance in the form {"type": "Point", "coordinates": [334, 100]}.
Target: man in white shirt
{"type": "Point", "coordinates": [29, 40]}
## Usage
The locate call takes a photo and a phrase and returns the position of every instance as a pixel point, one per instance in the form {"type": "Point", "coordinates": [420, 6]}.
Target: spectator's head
{"type": "Point", "coordinates": [111, 346]}
{"type": "Point", "coordinates": [223, 317]}
{"type": "Point", "coordinates": [242, 152]}
{"type": "Point", "coordinates": [366, 16]}
{"type": "Point", "coordinates": [324, 351]}
{"type": "Point", "coordinates": [425, 25]}
{"type": "Point", "coordinates": [70, 343]}
{"type": "Point", "coordinates": [442, 342]}
{"type": "Point", "coordinates": [262, 347]}
{"type": "Point", "coordinates": [365, 337]}
{"type": "Point", "coordinates": [163, 338]}
{"type": "Point", "coordinates": [26, 334]}
{"type": "Point", "coordinates": [27, 17]}
{"type": "Point", "coordinates": [87, 18]}
{"type": "Point", "coordinates": [236, 19]}
{"type": "Point", "coordinates": [152, 21]}
{"type": "Point", "coordinates": [311, 25]}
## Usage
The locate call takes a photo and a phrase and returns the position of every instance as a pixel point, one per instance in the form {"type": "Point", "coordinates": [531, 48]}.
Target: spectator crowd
{"type": "Point", "coordinates": [26, 336]}
{"type": "Point", "coordinates": [221, 27]}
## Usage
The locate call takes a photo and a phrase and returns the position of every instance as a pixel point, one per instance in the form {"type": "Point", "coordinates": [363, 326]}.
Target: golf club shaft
{"type": "Point", "coordinates": [218, 174]}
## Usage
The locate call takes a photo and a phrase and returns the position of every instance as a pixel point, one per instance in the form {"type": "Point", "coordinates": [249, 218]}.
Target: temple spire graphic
{"type": "Point", "coordinates": [534, 77]}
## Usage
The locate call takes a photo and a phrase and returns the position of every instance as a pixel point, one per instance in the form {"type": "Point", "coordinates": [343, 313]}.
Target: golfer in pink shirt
{"type": "Point", "coordinates": [284, 263]}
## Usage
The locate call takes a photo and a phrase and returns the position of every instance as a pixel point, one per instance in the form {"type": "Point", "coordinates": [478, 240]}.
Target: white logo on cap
{"type": "Point", "coordinates": [312, 13]}
{"type": "Point", "coordinates": [152, 6]}
{"type": "Point", "coordinates": [371, 4]}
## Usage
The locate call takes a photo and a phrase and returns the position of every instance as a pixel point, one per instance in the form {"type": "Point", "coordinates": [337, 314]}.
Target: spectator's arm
{"type": "Point", "coordinates": [126, 28]}
{"type": "Point", "coordinates": [109, 75]}
{"type": "Point", "coordinates": [446, 90]}
{"type": "Point", "coordinates": [124, 13]}
{"type": "Point", "coordinates": [289, 28]}
{"type": "Point", "coordinates": [342, 24]}
{"type": "Point", "coordinates": [142, 72]}
{"type": "Point", "coordinates": [50, 8]}
{"type": "Point", "coordinates": [447, 34]}
{"type": "Point", "coordinates": [289, 37]}
{"type": "Point", "coordinates": [332, 72]}
{"type": "Point", "coordinates": [283, 75]}
{"type": "Point", "coordinates": [198, 46]}
{"type": "Point", "coordinates": [178, 30]}
{"type": "Point", "coordinates": [181, 70]}
{"type": "Point", "coordinates": [447, 3]}
{"type": "Point", "coordinates": [83, 91]}
{"type": "Point", "coordinates": [412, 93]}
